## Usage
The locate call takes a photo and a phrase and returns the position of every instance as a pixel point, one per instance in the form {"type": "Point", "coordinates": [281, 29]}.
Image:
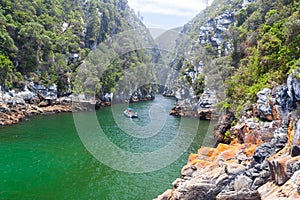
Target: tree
{"type": "Point", "coordinates": [6, 68]}
{"type": "Point", "coordinates": [35, 45]}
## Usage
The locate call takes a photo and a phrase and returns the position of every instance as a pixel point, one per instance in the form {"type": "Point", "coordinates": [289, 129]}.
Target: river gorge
{"type": "Point", "coordinates": [44, 158]}
{"type": "Point", "coordinates": [226, 127]}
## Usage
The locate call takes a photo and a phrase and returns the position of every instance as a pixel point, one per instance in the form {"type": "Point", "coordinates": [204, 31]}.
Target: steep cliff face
{"type": "Point", "coordinates": [203, 58]}
{"type": "Point", "coordinates": [242, 46]}
{"type": "Point", "coordinates": [262, 161]}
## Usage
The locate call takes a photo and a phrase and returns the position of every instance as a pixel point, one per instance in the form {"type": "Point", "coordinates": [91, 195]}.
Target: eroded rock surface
{"type": "Point", "coordinates": [263, 160]}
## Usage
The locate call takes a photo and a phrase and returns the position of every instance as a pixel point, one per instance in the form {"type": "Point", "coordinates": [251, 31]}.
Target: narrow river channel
{"type": "Point", "coordinates": [44, 157]}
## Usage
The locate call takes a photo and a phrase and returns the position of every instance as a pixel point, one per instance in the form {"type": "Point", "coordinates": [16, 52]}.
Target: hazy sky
{"type": "Point", "coordinates": [167, 14]}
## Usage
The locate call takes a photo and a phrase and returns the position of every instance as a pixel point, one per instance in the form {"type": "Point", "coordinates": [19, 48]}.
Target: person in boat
{"type": "Point", "coordinates": [130, 113]}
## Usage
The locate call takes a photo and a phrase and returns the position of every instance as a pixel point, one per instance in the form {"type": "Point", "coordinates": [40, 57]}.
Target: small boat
{"type": "Point", "coordinates": [130, 112]}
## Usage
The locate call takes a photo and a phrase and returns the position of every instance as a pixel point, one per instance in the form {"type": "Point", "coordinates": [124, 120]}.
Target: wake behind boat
{"type": "Point", "coordinates": [130, 112]}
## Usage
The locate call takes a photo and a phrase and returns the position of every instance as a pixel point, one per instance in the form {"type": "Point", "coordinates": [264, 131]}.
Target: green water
{"type": "Point", "coordinates": [44, 158]}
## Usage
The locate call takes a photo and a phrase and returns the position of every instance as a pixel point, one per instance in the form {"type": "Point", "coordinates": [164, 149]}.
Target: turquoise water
{"type": "Point", "coordinates": [44, 157]}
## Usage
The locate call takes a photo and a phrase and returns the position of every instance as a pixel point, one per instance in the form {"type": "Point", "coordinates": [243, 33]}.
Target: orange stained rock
{"type": "Point", "coordinates": [249, 151]}
{"type": "Point", "coordinates": [206, 167]}
{"type": "Point", "coordinates": [223, 147]}
{"type": "Point", "coordinates": [251, 136]}
{"type": "Point", "coordinates": [200, 163]}
{"type": "Point", "coordinates": [192, 157]}
{"type": "Point", "coordinates": [269, 117]}
{"type": "Point", "coordinates": [225, 151]}
{"type": "Point", "coordinates": [234, 141]}
{"type": "Point", "coordinates": [227, 155]}
{"type": "Point", "coordinates": [210, 157]}
{"type": "Point", "coordinates": [206, 153]}
{"type": "Point", "coordinates": [231, 161]}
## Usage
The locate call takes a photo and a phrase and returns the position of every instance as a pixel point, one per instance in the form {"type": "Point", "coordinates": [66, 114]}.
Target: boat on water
{"type": "Point", "coordinates": [131, 113]}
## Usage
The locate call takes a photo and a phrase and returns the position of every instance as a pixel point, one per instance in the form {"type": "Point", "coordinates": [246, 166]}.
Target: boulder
{"type": "Point", "coordinates": [262, 152]}
{"type": "Point", "coordinates": [188, 170]}
{"type": "Point", "coordinates": [207, 114]}
{"type": "Point", "coordinates": [165, 195]}
{"type": "Point", "coordinates": [244, 194]}
{"type": "Point", "coordinates": [195, 190]}
{"type": "Point", "coordinates": [290, 93]}
{"type": "Point", "coordinates": [293, 85]}
{"type": "Point", "coordinates": [264, 106]}
{"type": "Point", "coordinates": [290, 190]}
{"type": "Point", "coordinates": [281, 167]}
{"type": "Point", "coordinates": [242, 182]}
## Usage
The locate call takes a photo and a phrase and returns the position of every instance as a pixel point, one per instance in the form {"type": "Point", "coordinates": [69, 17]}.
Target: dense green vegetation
{"type": "Point", "coordinates": [266, 41]}
{"type": "Point", "coordinates": [46, 40]}
{"type": "Point", "coordinates": [109, 72]}
{"type": "Point", "coordinates": [267, 46]}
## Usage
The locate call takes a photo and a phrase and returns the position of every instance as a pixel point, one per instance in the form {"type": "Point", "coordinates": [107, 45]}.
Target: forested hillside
{"type": "Point", "coordinates": [253, 48]}
{"type": "Point", "coordinates": [266, 48]}
{"type": "Point", "coordinates": [249, 44]}
{"type": "Point", "coordinates": [46, 40]}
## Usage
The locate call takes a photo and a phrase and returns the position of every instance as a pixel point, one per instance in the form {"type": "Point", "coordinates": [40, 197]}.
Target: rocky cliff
{"type": "Point", "coordinates": [261, 162]}
{"type": "Point", "coordinates": [255, 45]}
{"type": "Point", "coordinates": [203, 60]}
{"type": "Point", "coordinates": [239, 47]}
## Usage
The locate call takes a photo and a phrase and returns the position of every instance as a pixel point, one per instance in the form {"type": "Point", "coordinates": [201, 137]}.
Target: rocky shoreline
{"type": "Point", "coordinates": [13, 114]}
{"type": "Point", "coordinates": [202, 113]}
{"type": "Point", "coordinates": [262, 161]}
{"type": "Point", "coordinates": [203, 109]}
{"type": "Point", "coordinates": [36, 99]}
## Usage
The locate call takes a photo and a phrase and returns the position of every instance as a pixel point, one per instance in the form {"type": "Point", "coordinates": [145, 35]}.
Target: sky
{"type": "Point", "coordinates": [167, 14]}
